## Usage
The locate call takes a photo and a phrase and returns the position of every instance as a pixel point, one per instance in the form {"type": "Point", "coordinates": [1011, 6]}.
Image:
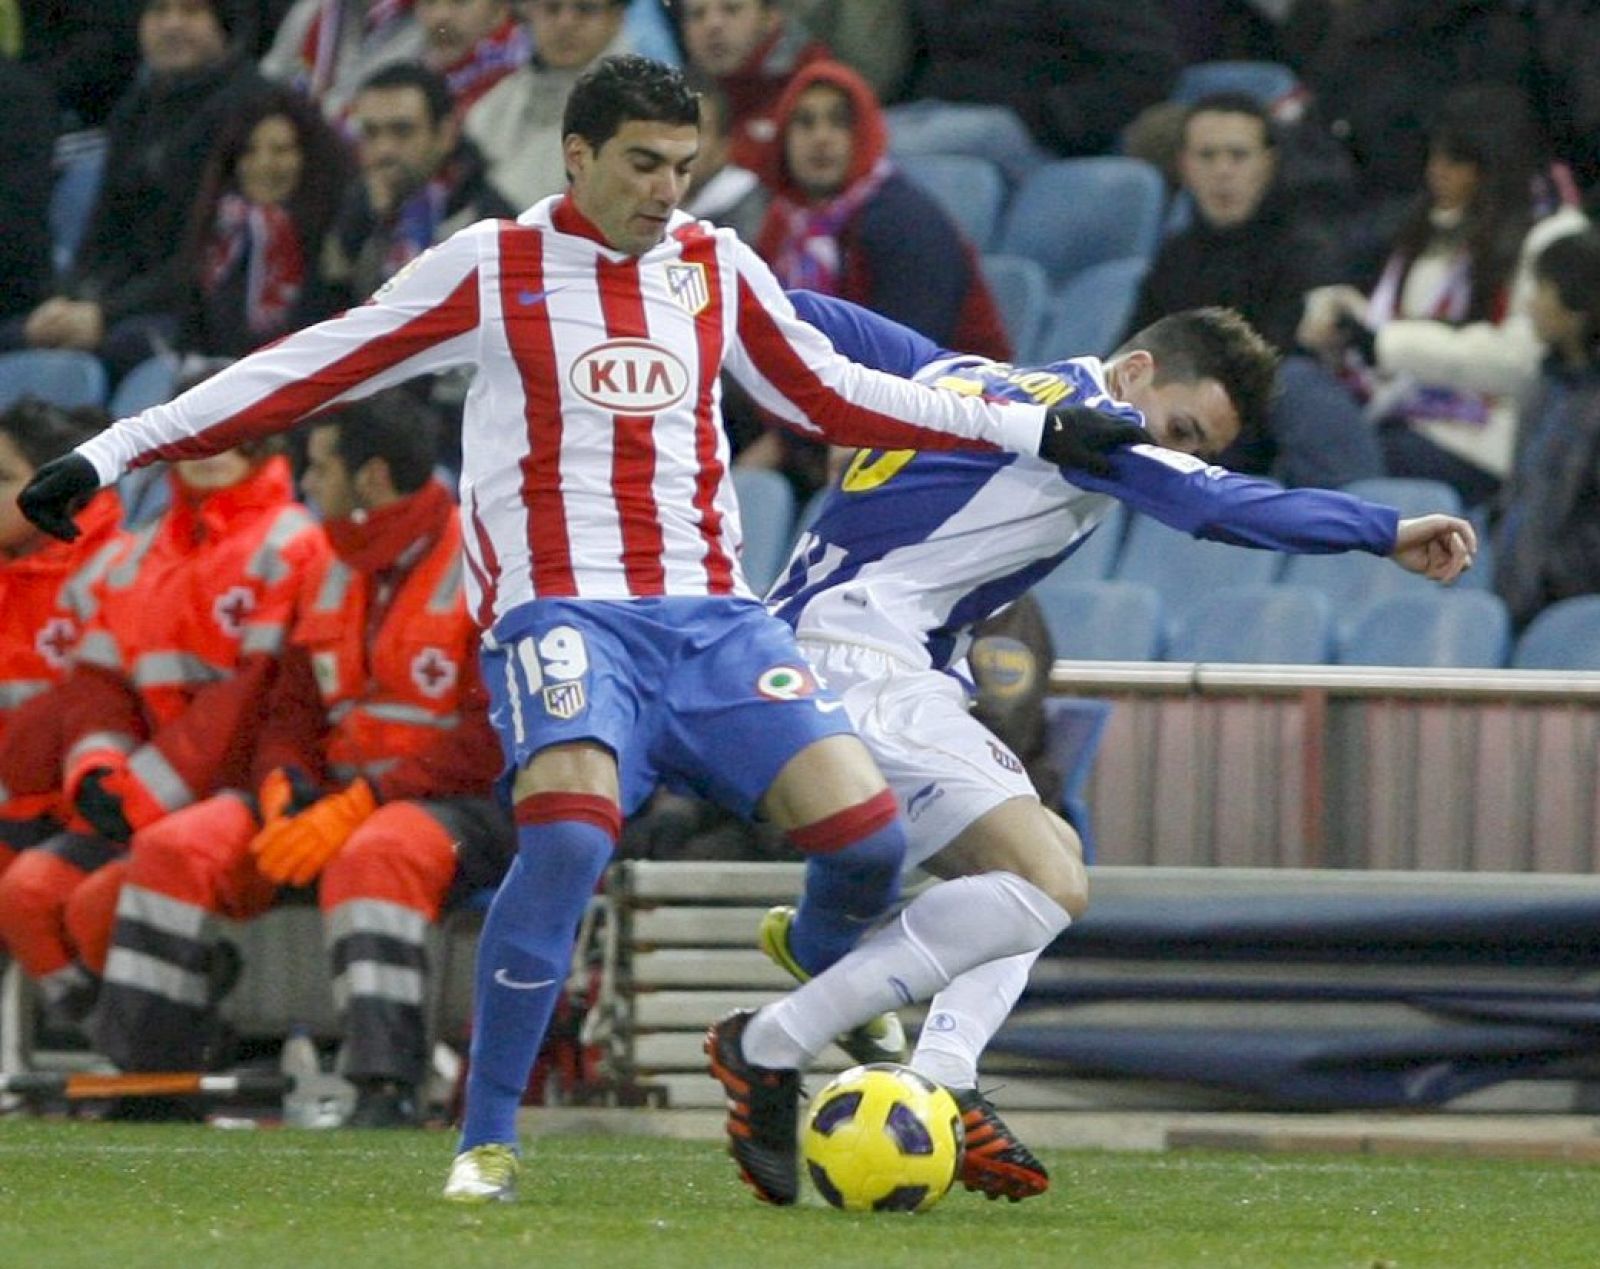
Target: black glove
{"type": "Point", "coordinates": [1359, 338]}
{"type": "Point", "coordinates": [101, 807]}
{"type": "Point", "coordinates": [56, 492]}
{"type": "Point", "coordinates": [1076, 436]}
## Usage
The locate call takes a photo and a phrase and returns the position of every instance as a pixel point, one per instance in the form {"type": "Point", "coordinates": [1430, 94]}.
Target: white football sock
{"type": "Point", "coordinates": [964, 1017]}
{"type": "Point", "coordinates": [942, 933]}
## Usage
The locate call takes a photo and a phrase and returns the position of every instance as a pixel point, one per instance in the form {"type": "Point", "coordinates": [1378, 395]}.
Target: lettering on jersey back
{"type": "Point", "coordinates": [630, 376]}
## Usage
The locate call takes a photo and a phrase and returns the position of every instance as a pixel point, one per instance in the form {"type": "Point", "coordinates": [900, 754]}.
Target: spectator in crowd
{"type": "Point", "coordinates": [1566, 37]}
{"type": "Point", "coordinates": [844, 221]}
{"type": "Point", "coordinates": [329, 48]}
{"type": "Point", "coordinates": [166, 692]}
{"type": "Point", "coordinates": [122, 298]}
{"type": "Point", "coordinates": [1032, 79]}
{"type": "Point", "coordinates": [45, 587]}
{"type": "Point", "coordinates": [1246, 249]}
{"type": "Point", "coordinates": [474, 44]}
{"type": "Point", "coordinates": [421, 180]}
{"type": "Point", "coordinates": [87, 55]}
{"type": "Point", "coordinates": [376, 758]}
{"type": "Point", "coordinates": [253, 253]}
{"type": "Point", "coordinates": [1547, 541]}
{"type": "Point", "coordinates": [753, 49]}
{"type": "Point", "coordinates": [719, 189]}
{"type": "Point", "coordinates": [871, 37]}
{"type": "Point", "coordinates": [517, 124]}
{"type": "Point", "coordinates": [1443, 346]}
{"type": "Point", "coordinates": [25, 181]}
{"type": "Point", "coordinates": [1377, 72]}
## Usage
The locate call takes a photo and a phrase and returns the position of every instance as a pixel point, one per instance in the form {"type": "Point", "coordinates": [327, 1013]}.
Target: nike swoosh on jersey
{"type": "Point", "coordinates": [827, 707]}
{"type": "Point", "coordinates": [505, 980]}
{"type": "Point", "coordinates": [528, 298]}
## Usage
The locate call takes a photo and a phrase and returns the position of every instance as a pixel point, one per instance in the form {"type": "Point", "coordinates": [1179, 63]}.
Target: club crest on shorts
{"type": "Point", "coordinates": [786, 683]}
{"type": "Point", "coordinates": [687, 285]}
{"type": "Point", "coordinates": [564, 700]}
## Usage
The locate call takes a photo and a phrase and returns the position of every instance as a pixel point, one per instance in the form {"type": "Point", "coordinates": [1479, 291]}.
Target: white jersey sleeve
{"type": "Point", "coordinates": [423, 320]}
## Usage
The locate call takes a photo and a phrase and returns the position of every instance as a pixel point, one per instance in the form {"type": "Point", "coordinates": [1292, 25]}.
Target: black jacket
{"type": "Point", "coordinates": [25, 143]}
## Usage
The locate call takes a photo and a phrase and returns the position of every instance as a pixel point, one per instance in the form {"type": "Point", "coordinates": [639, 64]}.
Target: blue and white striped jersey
{"type": "Point", "coordinates": [911, 549]}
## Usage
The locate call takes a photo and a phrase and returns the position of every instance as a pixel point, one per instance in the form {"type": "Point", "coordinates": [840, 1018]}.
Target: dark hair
{"type": "Point", "coordinates": [433, 86]}
{"type": "Point", "coordinates": [225, 11]}
{"type": "Point", "coordinates": [1572, 265]}
{"type": "Point", "coordinates": [620, 89]}
{"type": "Point", "coordinates": [392, 425]}
{"type": "Point", "coordinates": [42, 431]}
{"type": "Point", "coordinates": [325, 172]}
{"type": "Point", "coordinates": [1213, 343]}
{"type": "Point", "coordinates": [1491, 127]}
{"type": "Point", "coordinates": [1232, 103]}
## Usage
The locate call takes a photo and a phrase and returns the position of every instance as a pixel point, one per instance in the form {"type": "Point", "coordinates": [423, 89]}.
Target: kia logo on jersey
{"type": "Point", "coordinates": [629, 376]}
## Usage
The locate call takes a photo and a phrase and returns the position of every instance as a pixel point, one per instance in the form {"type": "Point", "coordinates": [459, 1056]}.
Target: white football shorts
{"type": "Point", "coordinates": [946, 768]}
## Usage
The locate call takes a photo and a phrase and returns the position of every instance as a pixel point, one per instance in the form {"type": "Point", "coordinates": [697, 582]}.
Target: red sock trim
{"type": "Point", "coordinates": [846, 827]}
{"type": "Point", "coordinates": [587, 808]}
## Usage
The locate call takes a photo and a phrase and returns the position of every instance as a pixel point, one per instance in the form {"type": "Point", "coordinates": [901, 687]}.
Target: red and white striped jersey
{"type": "Point", "coordinates": [595, 463]}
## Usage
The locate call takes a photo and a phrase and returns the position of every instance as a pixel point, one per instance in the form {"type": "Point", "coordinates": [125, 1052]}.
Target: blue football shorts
{"type": "Point", "coordinates": [707, 695]}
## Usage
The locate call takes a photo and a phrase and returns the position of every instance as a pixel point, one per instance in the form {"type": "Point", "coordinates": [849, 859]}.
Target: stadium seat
{"type": "Point", "coordinates": [1090, 312]}
{"type": "Point", "coordinates": [766, 509]}
{"type": "Point", "coordinates": [1022, 291]}
{"type": "Point", "coordinates": [1431, 628]}
{"type": "Point", "coordinates": [1352, 581]}
{"type": "Point", "coordinates": [149, 383]}
{"type": "Point", "coordinates": [1565, 636]}
{"type": "Point", "coordinates": [1184, 570]}
{"type": "Point", "coordinates": [1101, 620]}
{"type": "Point", "coordinates": [1408, 495]}
{"type": "Point", "coordinates": [1268, 624]}
{"type": "Point", "coordinates": [1267, 82]}
{"type": "Point", "coordinates": [79, 163]}
{"type": "Point", "coordinates": [62, 376]}
{"type": "Point", "coordinates": [1073, 727]}
{"type": "Point", "coordinates": [971, 190]}
{"type": "Point", "coordinates": [1071, 213]}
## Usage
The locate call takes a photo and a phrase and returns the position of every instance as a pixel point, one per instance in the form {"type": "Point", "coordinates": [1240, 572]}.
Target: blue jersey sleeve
{"type": "Point", "coordinates": [866, 337]}
{"type": "Point", "coordinates": [1211, 502]}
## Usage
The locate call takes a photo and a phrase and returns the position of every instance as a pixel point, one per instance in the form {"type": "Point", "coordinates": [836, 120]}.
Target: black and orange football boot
{"type": "Point", "coordinates": [995, 1163]}
{"type": "Point", "coordinates": [762, 1105]}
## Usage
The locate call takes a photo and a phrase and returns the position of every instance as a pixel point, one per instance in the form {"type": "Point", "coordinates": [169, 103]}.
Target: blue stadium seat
{"type": "Point", "coordinates": [1409, 495]}
{"type": "Point", "coordinates": [1565, 636]}
{"type": "Point", "coordinates": [1101, 620]}
{"type": "Point", "coordinates": [63, 376]}
{"type": "Point", "coordinates": [1091, 310]}
{"type": "Point", "coordinates": [1268, 624]}
{"type": "Point", "coordinates": [1022, 291]}
{"type": "Point", "coordinates": [1073, 728]}
{"type": "Point", "coordinates": [1184, 570]}
{"type": "Point", "coordinates": [766, 509]}
{"type": "Point", "coordinates": [1435, 627]}
{"type": "Point", "coordinates": [80, 159]}
{"type": "Point", "coordinates": [971, 190]}
{"type": "Point", "coordinates": [1352, 581]}
{"type": "Point", "coordinates": [1071, 213]}
{"type": "Point", "coordinates": [1267, 82]}
{"type": "Point", "coordinates": [149, 383]}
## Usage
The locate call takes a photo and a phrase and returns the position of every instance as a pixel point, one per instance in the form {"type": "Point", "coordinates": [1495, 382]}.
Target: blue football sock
{"type": "Point", "coordinates": [846, 891]}
{"type": "Point", "coordinates": [524, 955]}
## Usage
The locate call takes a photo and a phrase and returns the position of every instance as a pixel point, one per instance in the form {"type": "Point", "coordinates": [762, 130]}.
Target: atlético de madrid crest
{"type": "Point", "coordinates": [687, 285]}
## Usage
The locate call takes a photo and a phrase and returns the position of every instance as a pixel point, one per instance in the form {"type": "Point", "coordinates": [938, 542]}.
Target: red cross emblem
{"type": "Point", "coordinates": [231, 608]}
{"type": "Point", "coordinates": [433, 673]}
{"type": "Point", "coordinates": [56, 638]}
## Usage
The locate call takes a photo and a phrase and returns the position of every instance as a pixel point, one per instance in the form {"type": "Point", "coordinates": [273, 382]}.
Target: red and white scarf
{"type": "Point", "coordinates": [487, 62]}
{"type": "Point", "coordinates": [319, 50]}
{"type": "Point", "coordinates": [263, 236]}
{"type": "Point", "coordinates": [804, 251]}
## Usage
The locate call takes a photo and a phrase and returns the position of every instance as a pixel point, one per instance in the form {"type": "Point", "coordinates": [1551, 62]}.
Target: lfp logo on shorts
{"type": "Point", "coordinates": [629, 376]}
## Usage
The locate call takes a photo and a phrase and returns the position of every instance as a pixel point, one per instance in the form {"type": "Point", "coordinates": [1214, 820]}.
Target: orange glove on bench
{"type": "Point", "coordinates": [294, 849]}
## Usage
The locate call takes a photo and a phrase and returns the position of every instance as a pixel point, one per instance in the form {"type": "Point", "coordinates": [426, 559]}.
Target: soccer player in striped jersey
{"type": "Point", "coordinates": [622, 646]}
{"type": "Point", "coordinates": [909, 552]}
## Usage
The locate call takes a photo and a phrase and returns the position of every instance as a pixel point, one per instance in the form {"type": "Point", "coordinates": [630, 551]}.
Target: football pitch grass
{"type": "Point", "coordinates": [124, 1196]}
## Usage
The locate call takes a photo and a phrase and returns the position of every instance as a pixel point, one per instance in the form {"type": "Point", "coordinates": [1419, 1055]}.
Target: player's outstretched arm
{"type": "Point", "coordinates": [1439, 547]}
